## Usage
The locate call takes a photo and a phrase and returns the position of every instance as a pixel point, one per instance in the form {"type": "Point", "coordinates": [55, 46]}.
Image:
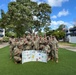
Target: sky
{"type": "Point", "coordinates": [63, 11]}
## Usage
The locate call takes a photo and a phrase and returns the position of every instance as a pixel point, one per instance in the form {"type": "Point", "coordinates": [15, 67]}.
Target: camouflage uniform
{"type": "Point", "coordinates": [41, 43]}
{"type": "Point", "coordinates": [17, 54]}
{"type": "Point", "coordinates": [21, 42]}
{"type": "Point", "coordinates": [28, 36]}
{"type": "Point", "coordinates": [28, 44]}
{"type": "Point", "coordinates": [50, 44]}
{"type": "Point", "coordinates": [47, 49]}
{"type": "Point", "coordinates": [55, 49]}
{"type": "Point", "coordinates": [12, 45]}
{"type": "Point", "coordinates": [16, 42]}
{"type": "Point", "coordinates": [35, 43]}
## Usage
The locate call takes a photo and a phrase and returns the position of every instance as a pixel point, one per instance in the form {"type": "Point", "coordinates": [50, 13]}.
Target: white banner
{"type": "Point", "coordinates": [34, 55]}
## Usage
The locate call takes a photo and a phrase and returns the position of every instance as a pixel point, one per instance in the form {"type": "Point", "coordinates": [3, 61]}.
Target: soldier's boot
{"type": "Point", "coordinates": [49, 58]}
{"type": "Point", "coordinates": [11, 56]}
{"type": "Point", "coordinates": [52, 58]}
{"type": "Point", "coordinates": [15, 62]}
{"type": "Point", "coordinates": [56, 60]}
{"type": "Point", "coordinates": [18, 61]}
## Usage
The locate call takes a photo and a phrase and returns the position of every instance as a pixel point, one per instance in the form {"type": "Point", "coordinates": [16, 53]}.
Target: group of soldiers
{"type": "Point", "coordinates": [33, 42]}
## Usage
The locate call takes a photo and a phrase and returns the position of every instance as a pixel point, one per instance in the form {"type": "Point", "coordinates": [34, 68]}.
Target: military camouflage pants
{"type": "Point", "coordinates": [55, 54]}
{"type": "Point", "coordinates": [11, 51]}
{"type": "Point", "coordinates": [16, 58]}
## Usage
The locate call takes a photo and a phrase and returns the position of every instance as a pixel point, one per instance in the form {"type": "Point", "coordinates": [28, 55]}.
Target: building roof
{"type": "Point", "coordinates": [71, 33]}
{"type": "Point", "coordinates": [72, 29]}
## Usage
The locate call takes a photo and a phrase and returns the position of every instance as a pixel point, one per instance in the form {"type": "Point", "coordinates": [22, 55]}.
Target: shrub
{"type": "Point", "coordinates": [5, 39]}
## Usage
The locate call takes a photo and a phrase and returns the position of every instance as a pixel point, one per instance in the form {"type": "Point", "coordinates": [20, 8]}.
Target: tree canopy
{"type": "Point", "coordinates": [25, 15]}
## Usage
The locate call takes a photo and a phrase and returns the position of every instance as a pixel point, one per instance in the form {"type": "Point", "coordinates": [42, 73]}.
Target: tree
{"type": "Point", "coordinates": [20, 16]}
{"type": "Point", "coordinates": [3, 20]}
{"type": "Point", "coordinates": [59, 34]}
{"type": "Point", "coordinates": [62, 27]}
{"type": "Point", "coordinates": [22, 0]}
{"type": "Point", "coordinates": [43, 16]}
{"type": "Point", "coordinates": [62, 31]}
{"type": "Point", "coordinates": [46, 29]}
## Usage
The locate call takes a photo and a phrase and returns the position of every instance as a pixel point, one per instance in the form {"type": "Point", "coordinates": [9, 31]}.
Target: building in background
{"type": "Point", "coordinates": [71, 35]}
{"type": "Point", "coordinates": [2, 32]}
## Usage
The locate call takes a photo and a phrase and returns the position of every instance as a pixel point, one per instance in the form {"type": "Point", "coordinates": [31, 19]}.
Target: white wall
{"type": "Point", "coordinates": [3, 33]}
{"type": "Point", "coordinates": [72, 39]}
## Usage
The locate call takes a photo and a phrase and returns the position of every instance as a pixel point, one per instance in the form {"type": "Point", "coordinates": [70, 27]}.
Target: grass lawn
{"type": "Point", "coordinates": [66, 65]}
{"type": "Point", "coordinates": [73, 44]}
{"type": "Point", "coordinates": [66, 43]}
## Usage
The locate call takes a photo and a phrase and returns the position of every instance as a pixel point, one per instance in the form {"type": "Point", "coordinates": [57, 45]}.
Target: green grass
{"type": "Point", "coordinates": [66, 43]}
{"type": "Point", "coordinates": [73, 44]}
{"type": "Point", "coordinates": [66, 65]}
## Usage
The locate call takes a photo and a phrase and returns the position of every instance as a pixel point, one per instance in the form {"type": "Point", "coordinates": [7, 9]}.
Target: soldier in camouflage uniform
{"type": "Point", "coordinates": [50, 44]}
{"type": "Point", "coordinates": [12, 45]}
{"type": "Point", "coordinates": [54, 43]}
{"type": "Point", "coordinates": [41, 43]}
{"type": "Point", "coordinates": [28, 36]}
{"type": "Point", "coordinates": [28, 44]}
{"type": "Point", "coordinates": [21, 42]}
{"type": "Point", "coordinates": [47, 48]}
{"type": "Point", "coordinates": [17, 55]}
{"type": "Point", "coordinates": [35, 43]}
{"type": "Point", "coordinates": [37, 40]}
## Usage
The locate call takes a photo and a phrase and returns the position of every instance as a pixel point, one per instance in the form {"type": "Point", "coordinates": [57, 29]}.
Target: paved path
{"type": "Point", "coordinates": [68, 47]}
{"type": "Point", "coordinates": [3, 45]}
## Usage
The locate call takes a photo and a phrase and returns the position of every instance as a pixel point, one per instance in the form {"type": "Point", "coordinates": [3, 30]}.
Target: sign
{"type": "Point", "coordinates": [34, 55]}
